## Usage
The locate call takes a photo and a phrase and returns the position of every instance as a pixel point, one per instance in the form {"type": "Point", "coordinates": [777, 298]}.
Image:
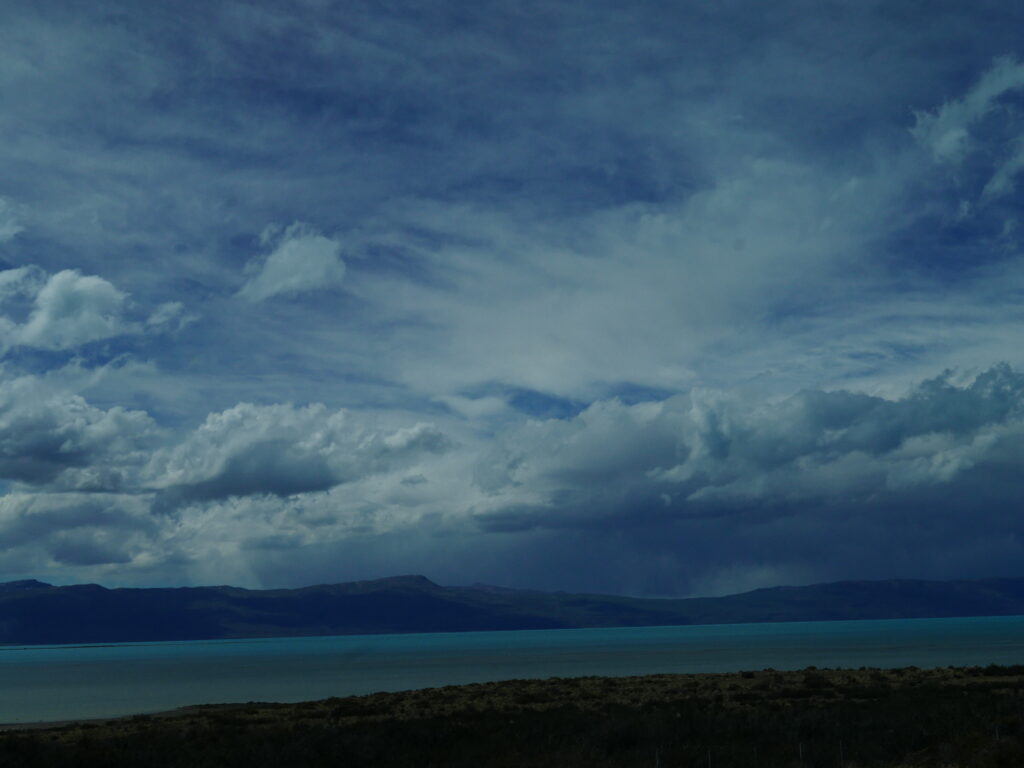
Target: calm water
{"type": "Point", "coordinates": [64, 682]}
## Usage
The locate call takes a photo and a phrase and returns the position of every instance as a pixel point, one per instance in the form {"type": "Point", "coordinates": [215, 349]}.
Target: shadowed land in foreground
{"type": "Point", "coordinates": [947, 717]}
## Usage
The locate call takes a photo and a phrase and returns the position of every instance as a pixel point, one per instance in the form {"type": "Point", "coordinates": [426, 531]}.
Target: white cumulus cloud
{"type": "Point", "coordinates": [68, 309]}
{"type": "Point", "coordinates": [73, 309]}
{"type": "Point", "coordinates": [303, 260]}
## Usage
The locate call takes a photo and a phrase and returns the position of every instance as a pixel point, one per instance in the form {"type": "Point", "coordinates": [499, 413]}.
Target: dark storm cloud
{"type": "Point", "coordinates": [54, 438]}
{"type": "Point", "coordinates": [268, 467]}
{"type": "Point", "coordinates": [92, 548]}
{"type": "Point", "coordinates": [46, 532]}
{"type": "Point", "coordinates": [816, 485]}
{"type": "Point", "coordinates": [705, 450]}
{"type": "Point", "coordinates": [282, 450]}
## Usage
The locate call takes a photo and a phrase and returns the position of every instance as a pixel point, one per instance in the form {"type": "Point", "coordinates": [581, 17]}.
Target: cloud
{"type": "Point", "coordinates": [72, 309]}
{"type": "Point", "coordinates": [9, 226]}
{"type": "Point", "coordinates": [172, 315]}
{"type": "Point", "coordinates": [642, 294]}
{"type": "Point", "coordinates": [283, 450]}
{"type": "Point", "coordinates": [529, 216]}
{"type": "Point", "coordinates": [763, 486]}
{"type": "Point", "coordinates": [1002, 181]}
{"type": "Point", "coordinates": [58, 440]}
{"type": "Point", "coordinates": [712, 211]}
{"type": "Point", "coordinates": [48, 532]}
{"type": "Point", "coordinates": [302, 260]}
{"type": "Point", "coordinates": [705, 450]}
{"type": "Point", "coordinates": [22, 281]}
{"type": "Point", "coordinates": [67, 310]}
{"type": "Point", "coordinates": [946, 132]}
{"type": "Point", "coordinates": [980, 134]}
{"type": "Point", "coordinates": [699, 492]}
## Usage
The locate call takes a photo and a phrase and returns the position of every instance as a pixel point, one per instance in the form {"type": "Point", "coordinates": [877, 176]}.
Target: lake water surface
{"type": "Point", "coordinates": [39, 683]}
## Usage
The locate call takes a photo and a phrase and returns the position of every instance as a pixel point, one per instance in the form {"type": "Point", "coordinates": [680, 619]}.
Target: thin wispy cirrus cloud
{"type": "Point", "coordinates": [632, 299]}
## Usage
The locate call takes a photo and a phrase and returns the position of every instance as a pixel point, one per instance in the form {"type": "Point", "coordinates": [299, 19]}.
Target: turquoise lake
{"type": "Point", "coordinates": [39, 683]}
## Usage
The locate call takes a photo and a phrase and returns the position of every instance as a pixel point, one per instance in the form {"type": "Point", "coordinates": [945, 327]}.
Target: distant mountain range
{"type": "Point", "coordinates": [32, 612]}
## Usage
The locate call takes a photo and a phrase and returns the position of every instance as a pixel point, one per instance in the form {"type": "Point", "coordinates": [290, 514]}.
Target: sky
{"type": "Point", "coordinates": [643, 298]}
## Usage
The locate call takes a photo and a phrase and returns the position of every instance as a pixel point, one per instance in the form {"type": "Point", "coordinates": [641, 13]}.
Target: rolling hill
{"type": "Point", "coordinates": [32, 612]}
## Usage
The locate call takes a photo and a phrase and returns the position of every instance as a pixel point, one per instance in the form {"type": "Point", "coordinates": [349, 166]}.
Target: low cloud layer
{"type": "Point", "coordinates": [704, 492]}
{"type": "Point", "coordinates": [282, 450]}
{"type": "Point", "coordinates": [711, 454]}
{"type": "Point", "coordinates": [58, 440]}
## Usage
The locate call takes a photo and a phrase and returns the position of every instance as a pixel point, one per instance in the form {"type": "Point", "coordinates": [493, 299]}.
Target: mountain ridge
{"type": "Point", "coordinates": [33, 612]}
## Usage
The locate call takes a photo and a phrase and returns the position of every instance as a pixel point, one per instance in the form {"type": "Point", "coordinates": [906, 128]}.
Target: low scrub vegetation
{"type": "Point", "coordinates": [813, 718]}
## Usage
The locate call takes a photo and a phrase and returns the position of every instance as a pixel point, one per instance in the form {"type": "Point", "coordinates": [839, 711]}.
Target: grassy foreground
{"type": "Point", "coordinates": [816, 718]}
